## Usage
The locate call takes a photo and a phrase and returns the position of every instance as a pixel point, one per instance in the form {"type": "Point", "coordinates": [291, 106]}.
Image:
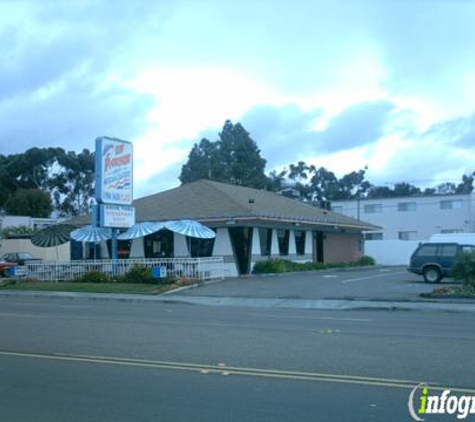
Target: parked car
{"type": "Point", "coordinates": [434, 260]}
{"type": "Point", "coordinates": [20, 258]}
{"type": "Point", "coordinates": [4, 266]}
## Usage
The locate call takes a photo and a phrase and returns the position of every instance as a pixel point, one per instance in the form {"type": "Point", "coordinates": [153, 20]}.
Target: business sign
{"type": "Point", "coordinates": [114, 171]}
{"type": "Point", "coordinates": [116, 216]}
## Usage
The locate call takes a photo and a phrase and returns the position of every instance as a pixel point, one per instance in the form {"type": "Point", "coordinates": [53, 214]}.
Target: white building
{"type": "Point", "coordinates": [412, 218]}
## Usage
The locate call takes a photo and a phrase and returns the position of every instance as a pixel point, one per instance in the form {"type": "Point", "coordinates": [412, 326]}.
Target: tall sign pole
{"type": "Point", "coordinates": [114, 186]}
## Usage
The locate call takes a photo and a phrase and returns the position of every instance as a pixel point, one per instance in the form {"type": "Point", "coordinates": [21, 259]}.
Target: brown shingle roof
{"type": "Point", "coordinates": [206, 200]}
{"type": "Point", "coordinates": [213, 202]}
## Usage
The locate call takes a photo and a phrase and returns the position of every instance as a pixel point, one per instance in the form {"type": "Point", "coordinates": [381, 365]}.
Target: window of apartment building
{"type": "Point", "coordinates": [451, 204]}
{"type": "Point", "coordinates": [451, 231]}
{"type": "Point", "coordinates": [406, 206]}
{"type": "Point", "coordinates": [373, 236]}
{"type": "Point", "coordinates": [299, 242]}
{"type": "Point", "coordinates": [337, 208]}
{"type": "Point", "coordinates": [407, 235]}
{"type": "Point", "coordinates": [373, 208]}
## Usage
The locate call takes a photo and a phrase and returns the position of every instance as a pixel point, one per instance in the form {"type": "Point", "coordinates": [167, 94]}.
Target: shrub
{"type": "Point", "coordinates": [94, 277]}
{"type": "Point", "coordinates": [277, 265]}
{"type": "Point", "coordinates": [366, 260]}
{"type": "Point", "coordinates": [273, 265]}
{"type": "Point", "coordinates": [464, 269]}
{"type": "Point", "coordinates": [138, 274]}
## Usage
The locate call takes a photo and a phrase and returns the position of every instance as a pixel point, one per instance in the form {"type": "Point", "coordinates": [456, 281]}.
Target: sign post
{"type": "Point", "coordinates": [114, 186]}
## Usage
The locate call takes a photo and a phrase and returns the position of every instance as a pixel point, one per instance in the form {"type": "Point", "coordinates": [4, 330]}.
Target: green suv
{"type": "Point", "coordinates": [434, 260]}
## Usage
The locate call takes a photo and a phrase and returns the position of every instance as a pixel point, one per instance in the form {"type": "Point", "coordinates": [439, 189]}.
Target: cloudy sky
{"type": "Point", "coordinates": [342, 84]}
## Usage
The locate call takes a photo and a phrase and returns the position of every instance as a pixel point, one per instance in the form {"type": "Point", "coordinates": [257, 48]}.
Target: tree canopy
{"type": "Point", "coordinates": [41, 180]}
{"type": "Point", "coordinates": [234, 158]}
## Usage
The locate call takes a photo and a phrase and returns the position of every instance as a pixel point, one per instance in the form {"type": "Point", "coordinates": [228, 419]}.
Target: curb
{"type": "Point", "coordinates": [323, 304]}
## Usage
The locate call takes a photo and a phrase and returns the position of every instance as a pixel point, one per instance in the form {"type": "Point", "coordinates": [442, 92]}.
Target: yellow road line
{"type": "Point", "coordinates": [255, 372]}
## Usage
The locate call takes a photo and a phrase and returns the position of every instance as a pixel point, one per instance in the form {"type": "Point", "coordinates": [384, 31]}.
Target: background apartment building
{"type": "Point", "coordinates": [412, 218]}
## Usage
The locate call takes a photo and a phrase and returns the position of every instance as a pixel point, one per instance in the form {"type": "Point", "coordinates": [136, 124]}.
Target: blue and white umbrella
{"type": "Point", "coordinates": [141, 230]}
{"type": "Point", "coordinates": [91, 234]}
{"type": "Point", "coordinates": [190, 228]}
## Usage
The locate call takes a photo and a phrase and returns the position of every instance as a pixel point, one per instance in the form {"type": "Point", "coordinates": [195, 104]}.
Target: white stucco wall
{"type": "Point", "coordinates": [391, 252]}
{"type": "Point", "coordinates": [274, 248]}
{"type": "Point", "coordinates": [256, 242]}
{"type": "Point", "coordinates": [222, 243]}
{"type": "Point", "coordinates": [137, 249]}
{"type": "Point", "coordinates": [180, 246]}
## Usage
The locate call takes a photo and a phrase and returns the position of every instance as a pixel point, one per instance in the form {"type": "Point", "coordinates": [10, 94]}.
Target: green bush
{"type": "Point", "coordinates": [464, 269]}
{"type": "Point", "coordinates": [366, 260]}
{"type": "Point", "coordinates": [138, 274]}
{"type": "Point", "coordinates": [94, 277]}
{"type": "Point", "coordinates": [277, 265]}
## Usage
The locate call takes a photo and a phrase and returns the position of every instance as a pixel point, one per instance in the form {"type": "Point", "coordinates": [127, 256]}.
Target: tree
{"type": "Point", "coordinates": [352, 185]}
{"type": "Point", "coordinates": [466, 186]}
{"type": "Point", "coordinates": [31, 202]}
{"type": "Point", "coordinates": [234, 158]}
{"type": "Point", "coordinates": [32, 169]}
{"type": "Point", "coordinates": [73, 185]}
{"type": "Point", "coordinates": [67, 176]}
{"type": "Point", "coordinates": [203, 163]}
{"type": "Point", "coordinates": [275, 180]}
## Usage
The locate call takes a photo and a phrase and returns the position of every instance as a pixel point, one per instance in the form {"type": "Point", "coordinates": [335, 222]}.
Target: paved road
{"type": "Point", "coordinates": [75, 360]}
{"type": "Point", "coordinates": [379, 283]}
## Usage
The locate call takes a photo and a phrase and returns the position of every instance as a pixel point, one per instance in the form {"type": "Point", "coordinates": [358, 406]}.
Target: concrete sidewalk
{"type": "Point", "coordinates": [443, 305]}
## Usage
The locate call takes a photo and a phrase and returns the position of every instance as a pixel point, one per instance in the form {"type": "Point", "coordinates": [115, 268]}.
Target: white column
{"type": "Point", "coordinates": [104, 250]}
{"type": "Point", "coordinates": [292, 247]}
{"type": "Point", "coordinates": [308, 242]}
{"type": "Point", "coordinates": [222, 243]}
{"type": "Point", "coordinates": [137, 250]}
{"type": "Point", "coordinates": [274, 246]}
{"type": "Point", "coordinates": [256, 242]}
{"type": "Point", "coordinates": [179, 246]}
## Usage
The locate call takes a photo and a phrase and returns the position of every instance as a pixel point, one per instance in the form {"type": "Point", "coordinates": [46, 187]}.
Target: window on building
{"type": "Point", "coordinates": [337, 208]}
{"type": "Point", "coordinates": [300, 241]}
{"type": "Point", "coordinates": [451, 204]}
{"type": "Point", "coordinates": [373, 236]}
{"type": "Point", "coordinates": [407, 235]}
{"type": "Point", "coordinates": [159, 244]}
{"type": "Point", "coordinates": [200, 247]}
{"type": "Point", "coordinates": [265, 237]}
{"type": "Point", "coordinates": [373, 208]}
{"type": "Point", "coordinates": [406, 206]}
{"type": "Point", "coordinates": [283, 238]}
{"type": "Point", "coordinates": [451, 231]}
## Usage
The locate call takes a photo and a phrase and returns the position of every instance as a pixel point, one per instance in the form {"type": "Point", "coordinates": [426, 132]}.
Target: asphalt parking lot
{"type": "Point", "coordinates": [378, 283]}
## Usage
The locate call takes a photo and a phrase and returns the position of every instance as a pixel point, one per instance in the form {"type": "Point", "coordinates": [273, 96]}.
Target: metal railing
{"type": "Point", "coordinates": [193, 269]}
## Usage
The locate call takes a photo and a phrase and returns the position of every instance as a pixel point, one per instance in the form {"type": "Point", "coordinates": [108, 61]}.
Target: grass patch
{"type": "Point", "coordinates": [451, 292]}
{"type": "Point", "coordinates": [135, 288]}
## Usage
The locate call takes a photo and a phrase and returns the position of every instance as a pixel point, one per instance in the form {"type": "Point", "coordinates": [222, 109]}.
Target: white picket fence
{"type": "Point", "coordinates": [194, 269]}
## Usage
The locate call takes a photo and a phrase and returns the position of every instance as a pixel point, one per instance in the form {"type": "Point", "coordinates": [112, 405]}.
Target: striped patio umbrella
{"type": "Point", "coordinates": [141, 230]}
{"type": "Point", "coordinates": [190, 228]}
{"type": "Point", "coordinates": [55, 235]}
{"type": "Point", "coordinates": [91, 234]}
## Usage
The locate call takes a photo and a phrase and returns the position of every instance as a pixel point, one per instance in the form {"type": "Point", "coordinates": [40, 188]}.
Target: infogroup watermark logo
{"type": "Point", "coordinates": [421, 403]}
